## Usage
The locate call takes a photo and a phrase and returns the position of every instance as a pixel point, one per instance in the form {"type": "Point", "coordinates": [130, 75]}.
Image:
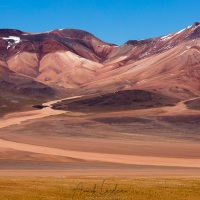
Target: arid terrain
{"type": "Point", "coordinates": [73, 105]}
{"type": "Point", "coordinates": [147, 142]}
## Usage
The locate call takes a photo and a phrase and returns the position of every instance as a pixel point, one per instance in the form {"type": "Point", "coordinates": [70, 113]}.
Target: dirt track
{"type": "Point", "coordinates": [17, 118]}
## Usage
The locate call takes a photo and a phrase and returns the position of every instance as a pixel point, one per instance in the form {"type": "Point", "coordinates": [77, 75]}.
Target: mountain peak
{"type": "Point", "coordinates": [7, 32]}
{"type": "Point", "coordinates": [195, 31]}
{"type": "Point", "coordinates": [196, 24]}
{"type": "Point", "coordinates": [72, 32]}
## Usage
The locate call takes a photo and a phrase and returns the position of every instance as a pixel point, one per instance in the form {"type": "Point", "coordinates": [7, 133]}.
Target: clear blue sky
{"type": "Point", "coordinates": [114, 21]}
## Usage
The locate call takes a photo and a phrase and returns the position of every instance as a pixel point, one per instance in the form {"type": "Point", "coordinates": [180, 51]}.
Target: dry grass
{"type": "Point", "coordinates": [94, 188]}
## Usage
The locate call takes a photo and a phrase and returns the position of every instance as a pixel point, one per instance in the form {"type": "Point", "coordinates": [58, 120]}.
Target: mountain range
{"type": "Point", "coordinates": [36, 67]}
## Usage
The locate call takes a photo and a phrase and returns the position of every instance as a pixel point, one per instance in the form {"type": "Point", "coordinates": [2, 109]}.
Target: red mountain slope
{"type": "Point", "coordinates": [77, 60]}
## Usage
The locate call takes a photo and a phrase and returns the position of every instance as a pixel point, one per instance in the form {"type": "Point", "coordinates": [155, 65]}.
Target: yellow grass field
{"type": "Point", "coordinates": [99, 188]}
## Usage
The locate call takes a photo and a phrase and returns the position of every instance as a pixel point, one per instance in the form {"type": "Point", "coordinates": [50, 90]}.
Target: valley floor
{"type": "Point", "coordinates": [153, 142]}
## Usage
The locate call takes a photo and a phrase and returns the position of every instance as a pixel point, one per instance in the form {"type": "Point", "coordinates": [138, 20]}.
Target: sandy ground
{"type": "Point", "coordinates": [45, 143]}
{"type": "Point", "coordinates": [102, 172]}
{"type": "Point", "coordinates": [113, 158]}
{"type": "Point", "coordinates": [17, 118]}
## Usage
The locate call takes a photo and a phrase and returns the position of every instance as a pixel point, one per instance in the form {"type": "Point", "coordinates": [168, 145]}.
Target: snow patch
{"type": "Point", "coordinates": [168, 47]}
{"type": "Point", "coordinates": [166, 37]}
{"type": "Point", "coordinates": [179, 32]}
{"type": "Point", "coordinates": [188, 47]}
{"type": "Point", "coordinates": [183, 52]}
{"type": "Point", "coordinates": [144, 54]}
{"type": "Point", "coordinates": [15, 38]}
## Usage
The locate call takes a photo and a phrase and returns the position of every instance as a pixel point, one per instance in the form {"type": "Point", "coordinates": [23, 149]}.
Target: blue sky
{"type": "Point", "coordinates": [114, 21]}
